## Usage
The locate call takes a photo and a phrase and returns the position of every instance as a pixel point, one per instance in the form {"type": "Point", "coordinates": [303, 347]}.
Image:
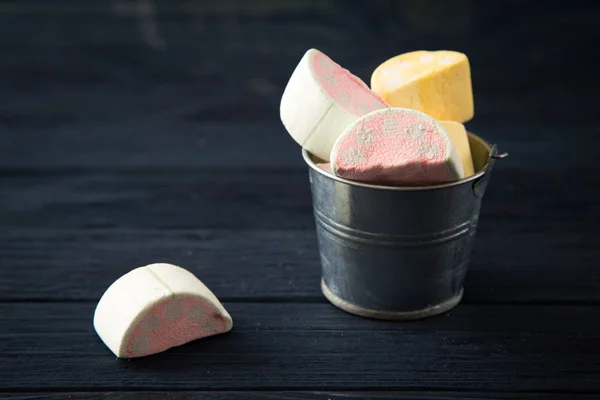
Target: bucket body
{"type": "Point", "coordinates": [397, 253]}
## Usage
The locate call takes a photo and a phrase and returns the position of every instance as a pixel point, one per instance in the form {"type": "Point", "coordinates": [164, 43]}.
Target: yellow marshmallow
{"type": "Point", "coordinates": [459, 137]}
{"type": "Point", "coordinates": [437, 83]}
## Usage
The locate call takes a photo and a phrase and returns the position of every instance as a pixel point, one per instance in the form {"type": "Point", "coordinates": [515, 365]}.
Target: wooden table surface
{"type": "Point", "coordinates": [141, 131]}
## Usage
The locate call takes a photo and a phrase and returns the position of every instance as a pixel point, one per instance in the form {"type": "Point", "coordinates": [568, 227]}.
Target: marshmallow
{"type": "Point", "coordinates": [396, 146]}
{"type": "Point", "coordinates": [437, 83]}
{"type": "Point", "coordinates": [320, 100]}
{"type": "Point", "coordinates": [325, 167]}
{"type": "Point", "coordinates": [156, 307]}
{"type": "Point", "coordinates": [459, 137]}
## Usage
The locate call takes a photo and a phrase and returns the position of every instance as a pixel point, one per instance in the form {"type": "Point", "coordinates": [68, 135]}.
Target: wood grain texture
{"type": "Point", "coordinates": [282, 265]}
{"type": "Point", "coordinates": [202, 199]}
{"type": "Point", "coordinates": [258, 199]}
{"type": "Point", "coordinates": [67, 61]}
{"type": "Point", "coordinates": [294, 395]}
{"type": "Point", "coordinates": [156, 142]}
{"type": "Point", "coordinates": [315, 347]}
{"type": "Point", "coordinates": [136, 131]}
{"type": "Point", "coordinates": [150, 143]}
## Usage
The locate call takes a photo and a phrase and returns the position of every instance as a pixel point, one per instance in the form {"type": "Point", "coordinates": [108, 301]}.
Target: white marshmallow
{"type": "Point", "coordinates": [321, 99]}
{"type": "Point", "coordinates": [156, 307]}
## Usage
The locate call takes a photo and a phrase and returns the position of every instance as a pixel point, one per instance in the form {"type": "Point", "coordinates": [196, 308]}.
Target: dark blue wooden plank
{"type": "Point", "coordinates": [258, 199]}
{"type": "Point", "coordinates": [151, 143]}
{"type": "Point", "coordinates": [70, 60]}
{"type": "Point", "coordinates": [171, 142]}
{"type": "Point", "coordinates": [551, 266]}
{"type": "Point", "coordinates": [315, 347]}
{"type": "Point", "coordinates": [239, 30]}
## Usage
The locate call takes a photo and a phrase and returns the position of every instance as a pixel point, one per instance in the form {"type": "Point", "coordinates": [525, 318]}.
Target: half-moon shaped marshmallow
{"type": "Point", "coordinates": [321, 99]}
{"type": "Point", "coordinates": [156, 307]}
{"type": "Point", "coordinates": [396, 146]}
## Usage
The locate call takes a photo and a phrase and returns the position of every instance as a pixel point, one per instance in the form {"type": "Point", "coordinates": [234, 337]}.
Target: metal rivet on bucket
{"type": "Point", "coordinates": [397, 253]}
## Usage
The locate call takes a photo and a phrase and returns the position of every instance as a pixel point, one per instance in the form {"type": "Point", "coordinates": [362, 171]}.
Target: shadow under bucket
{"type": "Point", "coordinates": [397, 253]}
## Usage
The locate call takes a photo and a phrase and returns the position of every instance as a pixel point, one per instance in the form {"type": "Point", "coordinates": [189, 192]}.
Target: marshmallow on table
{"type": "Point", "coordinates": [156, 307]}
{"type": "Point", "coordinates": [321, 99]}
{"type": "Point", "coordinates": [459, 137]}
{"type": "Point", "coordinates": [437, 83]}
{"type": "Point", "coordinates": [396, 146]}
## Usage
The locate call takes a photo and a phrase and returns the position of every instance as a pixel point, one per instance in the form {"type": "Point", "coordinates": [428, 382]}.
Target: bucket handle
{"type": "Point", "coordinates": [480, 184]}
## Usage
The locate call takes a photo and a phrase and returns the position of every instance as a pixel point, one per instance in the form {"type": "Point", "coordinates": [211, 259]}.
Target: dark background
{"type": "Point", "coordinates": [112, 74]}
{"type": "Point", "coordinates": [139, 131]}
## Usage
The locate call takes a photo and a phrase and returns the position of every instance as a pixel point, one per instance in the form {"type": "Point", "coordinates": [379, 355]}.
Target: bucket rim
{"type": "Point", "coordinates": [308, 159]}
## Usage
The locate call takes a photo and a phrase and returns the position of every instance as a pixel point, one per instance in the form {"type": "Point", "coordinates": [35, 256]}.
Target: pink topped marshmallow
{"type": "Point", "coordinates": [156, 307]}
{"type": "Point", "coordinates": [321, 99]}
{"type": "Point", "coordinates": [345, 88]}
{"type": "Point", "coordinates": [396, 146]}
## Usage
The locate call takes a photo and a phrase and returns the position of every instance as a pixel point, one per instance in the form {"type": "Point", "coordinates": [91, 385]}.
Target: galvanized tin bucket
{"type": "Point", "coordinates": [397, 253]}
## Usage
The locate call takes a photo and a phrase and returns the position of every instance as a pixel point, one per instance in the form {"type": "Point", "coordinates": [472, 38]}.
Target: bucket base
{"type": "Point", "coordinates": [390, 315]}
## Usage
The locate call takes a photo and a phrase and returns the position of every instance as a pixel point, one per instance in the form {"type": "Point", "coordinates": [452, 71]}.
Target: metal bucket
{"type": "Point", "coordinates": [397, 253]}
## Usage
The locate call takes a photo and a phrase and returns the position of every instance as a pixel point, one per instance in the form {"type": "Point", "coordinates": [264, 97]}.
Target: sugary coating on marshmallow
{"type": "Point", "coordinates": [437, 83]}
{"type": "Point", "coordinates": [459, 137]}
{"type": "Point", "coordinates": [396, 146]}
{"type": "Point", "coordinates": [156, 307]}
{"type": "Point", "coordinates": [321, 99]}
